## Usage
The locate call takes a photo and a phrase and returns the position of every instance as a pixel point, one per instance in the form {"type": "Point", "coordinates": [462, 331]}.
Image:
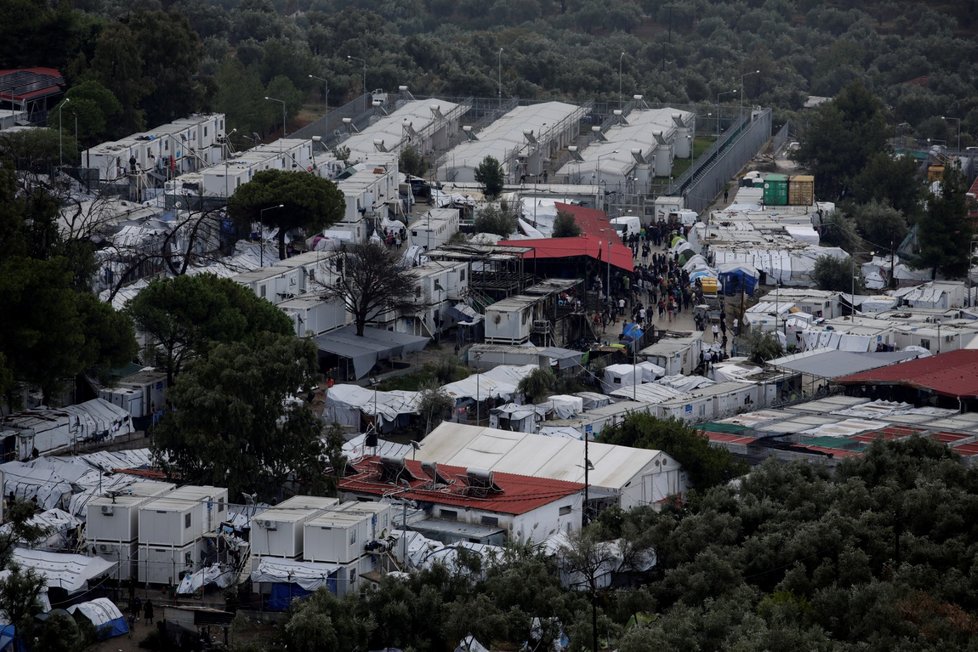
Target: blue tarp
{"type": "Point", "coordinates": [737, 280]}
{"type": "Point", "coordinates": [631, 333]}
{"type": "Point", "coordinates": [283, 594]}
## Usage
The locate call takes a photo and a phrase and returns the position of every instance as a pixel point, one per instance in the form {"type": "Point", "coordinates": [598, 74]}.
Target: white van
{"type": "Point", "coordinates": [627, 224]}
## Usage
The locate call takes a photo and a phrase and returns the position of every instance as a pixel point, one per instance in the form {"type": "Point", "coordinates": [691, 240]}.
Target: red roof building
{"type": "Point", "coordinates": [953, 374]}
{"type": "Point", "coordinates": [528, 508]}
{"type": "Point", "coordinates": [598, 240]}
{"type": "Point", "coordinates": [29, 89]}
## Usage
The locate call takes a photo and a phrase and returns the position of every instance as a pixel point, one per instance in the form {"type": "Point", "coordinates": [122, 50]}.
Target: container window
{"type": "Point", "coordinates": [565, 510]}
{"type": "Point", "coordinates": [449, 514]}
{"type": "Point", "coordinates": [186, 521]}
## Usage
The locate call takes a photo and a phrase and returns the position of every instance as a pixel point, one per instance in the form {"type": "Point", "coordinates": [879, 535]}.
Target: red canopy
{"type": "Point", "coordinates": [585, 245]}
{"type": "Point", "coordinates": [597, 236]}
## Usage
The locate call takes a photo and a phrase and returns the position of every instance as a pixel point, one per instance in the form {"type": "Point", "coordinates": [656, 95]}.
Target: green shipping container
{"type": "Point", "coordinates": [776, 190]}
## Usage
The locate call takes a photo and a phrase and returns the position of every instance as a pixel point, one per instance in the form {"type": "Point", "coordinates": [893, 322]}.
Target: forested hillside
{"type": "Point", "coordinates": [162, 59]}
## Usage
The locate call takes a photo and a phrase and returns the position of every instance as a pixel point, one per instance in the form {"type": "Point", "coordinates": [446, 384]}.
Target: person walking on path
{"type": "Point", "coordinates": [716, 331]}
{"type": "Point", "coordinates": [148, 612]}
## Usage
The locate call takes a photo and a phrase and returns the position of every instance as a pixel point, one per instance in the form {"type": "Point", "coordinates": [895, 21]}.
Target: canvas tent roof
{"type": "Point", "coordinates": [365, 351]}
{"type": "Point", "coordinates": [65, 571]}
{"type": "Point", "coordinates": [104, 615]}
{"type": "Point", "coordinates": [534, 455]}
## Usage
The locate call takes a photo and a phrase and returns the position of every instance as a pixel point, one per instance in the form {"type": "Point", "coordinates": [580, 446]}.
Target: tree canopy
{"type": "Point", "coordinates": [841, 138]}
{"type": "Point", "coordinates": [944, 231]}
{"type": "Point", "coordinates": [374, 280]}
{"type": "Point", "coordinates": [236, 422]}
{"type": "Point", "coordinates": [186, 315]}
{"type": "Point", "coordinates": [704, 465]}
{"type": "Point", "coordinates": [57, 328]}
{"type": "Point", "coordinates": [835, 274]}
{"type": "Point", "coordinates": [498, 220]}
{"type": "Point", "coordinates": [490, 175]}
{"type": "Point", "coordinates": [565, 226]}
{"type": "Point", "coordinates": [295, 200]}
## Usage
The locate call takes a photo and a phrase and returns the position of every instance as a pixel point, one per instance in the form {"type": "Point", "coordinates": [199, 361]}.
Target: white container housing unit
{"type": "Point", "coordinates": [112, 523]}
{"type": "Point", "coordinates": [275, 284]}
{"type": "Point", "coordinates": [171, 531]}
{"type": "Point", "coordinates": [435, 228]}
{"type": "Point", "coordinates": [339, 535]}
{"type": "Point", "coordinates": [187, 144]}
{"type": "Point", "coordinates": [278, 532]}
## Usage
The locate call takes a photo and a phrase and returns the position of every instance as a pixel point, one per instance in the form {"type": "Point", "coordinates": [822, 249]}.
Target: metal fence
{"type": "Point", "coordinates": [331, 127]}
{"type": "Point", "coordinates": [723, 160]}
{"type": "Point", "coordinates": [780, 138]}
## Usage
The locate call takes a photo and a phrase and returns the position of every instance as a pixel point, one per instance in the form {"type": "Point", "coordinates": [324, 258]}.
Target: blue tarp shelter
{"type": "Point", "coordinates": [736, 278]}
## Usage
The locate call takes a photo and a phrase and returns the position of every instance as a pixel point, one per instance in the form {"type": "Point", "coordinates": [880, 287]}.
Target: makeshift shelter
{"type": "Point", "coordinates": [104, 616]}
{"type": "Point", "coordinates": [360, 354]}
{"type": "Point", "coordinates": [287, 579]}
{"type": "Point", "coordinates": [499, 382]}
{"type": "Point", "coordinates": [347, 404]}
{"type": "Point", "coordinates": [516, 418]}
{"type": "Point", "coordinates": [736, 278]}
{"type": "Point", "coordinates": [563, 406]}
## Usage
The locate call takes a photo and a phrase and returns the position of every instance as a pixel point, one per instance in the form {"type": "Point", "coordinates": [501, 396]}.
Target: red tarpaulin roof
{"type": "Point", "coordinates": [30, 83]}
{"type": "Point", "coordinates": [518, 494]}
{"type": "Point", "coordinates": [954, 373]}
{"type": "Point", "coordinates": [596, 234]}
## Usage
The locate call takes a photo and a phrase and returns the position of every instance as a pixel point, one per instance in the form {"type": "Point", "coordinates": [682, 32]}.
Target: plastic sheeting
{"type": "Point", "coordinates": [345, 403]}
{"type": "Point", "coordinates": [423, 552]}
{"type": "Point", "coordinates": [308, 575]}
{"type": "Point", "coordinates": [356, 448]}
{"type": "Point", "coordinates": [499, 382]}
{"type": "Point", "coordinates": [64, 571]}
{"type": "Point", "coordinates": [212, 574]}
{"type": "Point", "coordinates": [564, 406]}
{"type": "Point", "coordinates": [684, 383]}
{"type": "Point", "coordinates": [56, 523]}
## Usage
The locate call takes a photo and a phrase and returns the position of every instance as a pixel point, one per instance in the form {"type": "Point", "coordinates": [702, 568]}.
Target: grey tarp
{"type": "Point", "coordinates": [364, 352]}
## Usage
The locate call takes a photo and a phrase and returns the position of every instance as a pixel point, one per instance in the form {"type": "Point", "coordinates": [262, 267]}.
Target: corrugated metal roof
{"type": "Point", "coordinates": [954, 373]}
{"type": "Point", "coordinates": [520, 494]}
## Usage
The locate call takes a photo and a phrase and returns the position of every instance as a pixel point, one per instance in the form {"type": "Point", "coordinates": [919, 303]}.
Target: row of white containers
{"type": "Point", "coordinates": [154, 530]}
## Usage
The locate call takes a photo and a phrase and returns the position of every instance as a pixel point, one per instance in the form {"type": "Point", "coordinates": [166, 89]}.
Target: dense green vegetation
{"type": "Point", "coordinates": [162, 59]}
{"type": "Point", "coordinates": [54, 328]}
{"type": "Point", "coordinates": [878, 555]}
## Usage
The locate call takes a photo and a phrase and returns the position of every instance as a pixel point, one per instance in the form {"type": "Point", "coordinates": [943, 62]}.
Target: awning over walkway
{"type": "Point", "coordinates": [364, 352]}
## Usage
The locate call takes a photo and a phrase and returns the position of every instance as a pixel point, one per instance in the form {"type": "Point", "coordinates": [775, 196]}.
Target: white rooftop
{"type": "Point", "coordinates": [533, 455]}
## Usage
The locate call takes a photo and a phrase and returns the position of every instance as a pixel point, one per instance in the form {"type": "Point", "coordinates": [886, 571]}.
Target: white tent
{"type": "Point", "coordinates": [499, 382]}
{"type": "Point", "coordinates": [345, 404]}
{"type": "Point", "coordinates": [104, 615]}
{"type": "Point", "coordinates": [564, 406]}
{"type": "Point", "coordinates": [618, 375]}
{"type": "Point", "coordinates": [69, 572]}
